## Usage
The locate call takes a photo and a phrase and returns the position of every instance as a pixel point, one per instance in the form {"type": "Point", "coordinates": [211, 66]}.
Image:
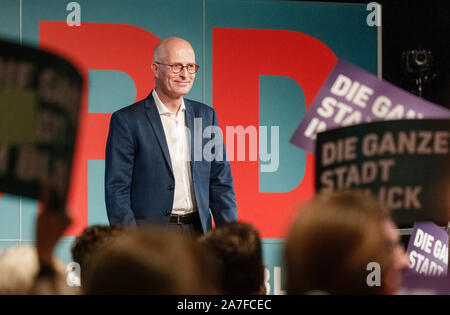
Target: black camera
{"type": "Point", "coordinates": [418, 68]}
{"type": "Point", "coordinates": [417, 62]}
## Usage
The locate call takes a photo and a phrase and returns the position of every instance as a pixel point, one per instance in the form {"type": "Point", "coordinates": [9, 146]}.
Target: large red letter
{"type": "Point", "coordinates": [240, 56]}
{"type": "Point", "coordinates": [97, 46]}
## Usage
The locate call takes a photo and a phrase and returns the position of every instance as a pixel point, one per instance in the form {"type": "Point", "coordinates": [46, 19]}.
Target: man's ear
{"type": "Point", "coordinates": [154, 67]}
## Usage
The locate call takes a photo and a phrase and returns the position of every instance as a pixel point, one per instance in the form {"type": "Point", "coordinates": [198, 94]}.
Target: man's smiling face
{"type": "Point", "coordinates": [174, 85]}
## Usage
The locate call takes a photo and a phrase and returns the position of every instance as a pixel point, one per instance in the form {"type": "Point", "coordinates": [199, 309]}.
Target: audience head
{"type": "Point", "coordinates": [334, 239]}
{"type": "Point", "coordinates": [149, 261]}
{"type": "Point", "coordinates": [171, 79]}
{"type": "Point", "coordinates": [237, 250]}
{"type": "Point", "coordinates": [88, 243]}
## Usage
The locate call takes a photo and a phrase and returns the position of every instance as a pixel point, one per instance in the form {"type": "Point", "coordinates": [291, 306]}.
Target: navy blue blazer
{"type": "Point", "coordinates": [139, 180]}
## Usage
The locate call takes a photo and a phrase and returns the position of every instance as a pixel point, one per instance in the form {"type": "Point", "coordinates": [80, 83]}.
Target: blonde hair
{"type": "Point", "coordinates": [19, 267]}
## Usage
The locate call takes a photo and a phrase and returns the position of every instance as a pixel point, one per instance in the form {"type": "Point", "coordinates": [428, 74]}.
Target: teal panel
{"type": "Point", "coordinates": [342, 27]}
{"type": "Point", "coordinates": [7, 244]}
{"type": "Point", "coordinates": [282, 102]}
{"type": "Point", "coordinates": [162, 18]}
{"type": "Point", "coordinates": [97, 207]}
{"type": "Point", "coordinates": [9, 20]}
{"type": "Point", "coordinates": [9, 217]}
{"type": "Point", "coordinates": [29, 215]}
{"type": "Point", "coordinates": [272, 256]}
{"type": "Point", "coordinates": [28, 243]}
{"type": "Point", "coordinates": [110, 90]}
{"type": "Point", "coordinates": [62, 248]}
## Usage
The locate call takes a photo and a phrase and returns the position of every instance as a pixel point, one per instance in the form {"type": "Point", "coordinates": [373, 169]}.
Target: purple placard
{"type": "Point", "coordinates": [428, 250]}
{"type": "Point", "coordinates": [414, 284]}
{"type": "Point", "coordinates": [353, 96]}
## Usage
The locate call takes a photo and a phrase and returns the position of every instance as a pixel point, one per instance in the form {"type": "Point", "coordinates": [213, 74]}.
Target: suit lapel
{"type": "Point", "coordinates": [155, 122]}
{"type": "Point", "coordinates": [190, 126]}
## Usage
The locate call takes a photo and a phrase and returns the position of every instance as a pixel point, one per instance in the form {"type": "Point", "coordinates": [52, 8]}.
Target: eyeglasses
{"type": "Point", "coordinates": [178, 67]}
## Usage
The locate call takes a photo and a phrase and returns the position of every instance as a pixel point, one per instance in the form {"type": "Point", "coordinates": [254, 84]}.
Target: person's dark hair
{"type": "Point", "coordinates": [236, 247]}
{"type": "Point", "coordinates": [150, 261]}
{"type": "Point", "coordinates": [86, 245]}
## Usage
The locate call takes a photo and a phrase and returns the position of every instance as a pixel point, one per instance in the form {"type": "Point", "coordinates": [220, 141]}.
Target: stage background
{"type": "Point", "coordinates": [261, 64]}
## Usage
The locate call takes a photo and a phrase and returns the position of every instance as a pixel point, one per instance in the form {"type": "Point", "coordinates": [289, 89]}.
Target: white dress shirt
{"type": "Point", "coordinates": [177, 140]}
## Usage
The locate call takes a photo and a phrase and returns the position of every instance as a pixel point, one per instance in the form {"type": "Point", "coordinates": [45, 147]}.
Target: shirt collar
{"type": "Point", "coordinates": [162, 109]}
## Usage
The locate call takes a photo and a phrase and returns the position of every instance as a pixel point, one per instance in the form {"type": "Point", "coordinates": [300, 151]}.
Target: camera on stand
{"type": "Point", "coordinates": [418, 68]}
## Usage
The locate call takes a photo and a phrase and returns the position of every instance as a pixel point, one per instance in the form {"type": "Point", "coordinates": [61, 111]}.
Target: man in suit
{"type": "Point", "coordinates": [153, 174]}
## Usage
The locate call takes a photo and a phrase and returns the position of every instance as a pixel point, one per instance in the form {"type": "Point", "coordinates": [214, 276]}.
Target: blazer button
{"type": "Point", "coordinates": [170, 187]}
{"type": "Point", "coordinates": [167, 212]}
